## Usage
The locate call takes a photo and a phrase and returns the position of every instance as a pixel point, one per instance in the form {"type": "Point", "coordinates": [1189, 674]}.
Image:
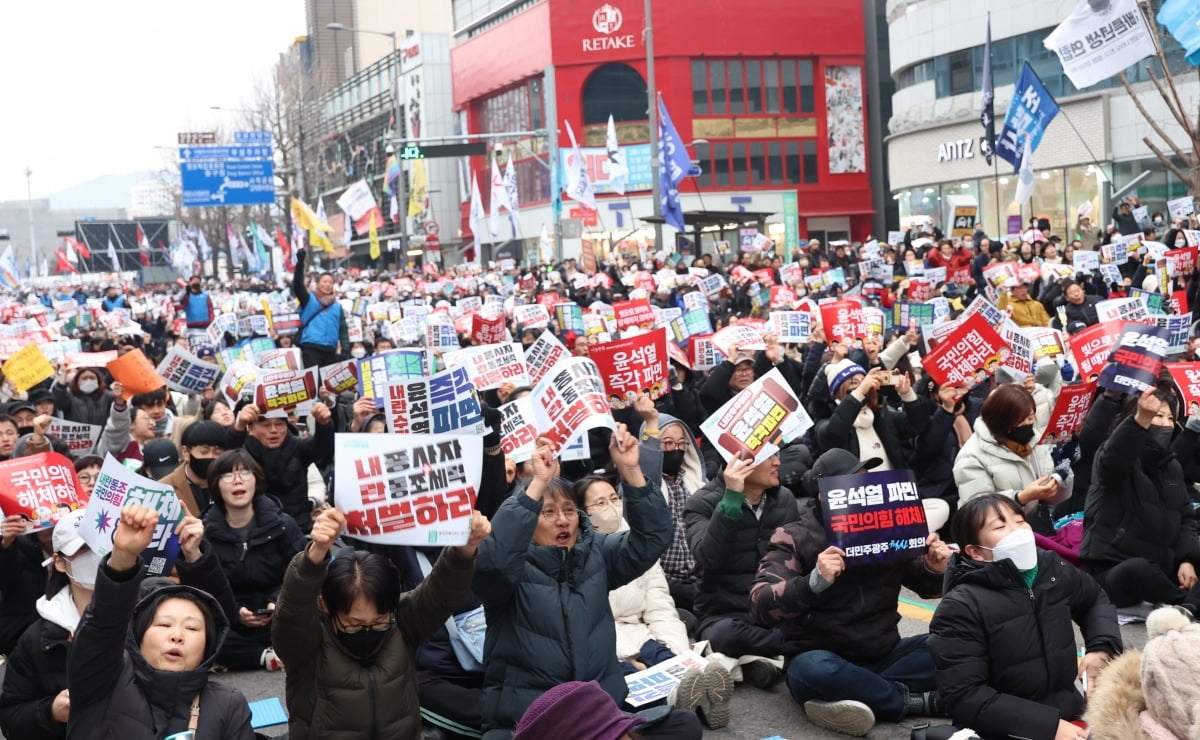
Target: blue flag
{"type": "Point", "coordinates": [1182, 19]}
{"type": "Point", "coordinates": [673, 166]}
{"type": "Point", "coordinates": [1030, 112]}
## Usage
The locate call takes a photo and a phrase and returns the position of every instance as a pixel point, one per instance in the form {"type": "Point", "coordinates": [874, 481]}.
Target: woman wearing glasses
{"type": "Point", "coordinates": [254, 540]}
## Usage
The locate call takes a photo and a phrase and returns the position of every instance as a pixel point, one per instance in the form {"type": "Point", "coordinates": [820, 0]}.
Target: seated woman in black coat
{"type": "Point", "coordinates": [1002, 642]}
{"type": "Point", "coordinates": [254, 540]}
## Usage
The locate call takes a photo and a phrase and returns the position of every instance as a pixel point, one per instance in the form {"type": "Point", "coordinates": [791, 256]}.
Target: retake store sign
{"type": "Point", "coordinates": [950, 151]}
{"type": "Point", "coordinates": [607, 21]}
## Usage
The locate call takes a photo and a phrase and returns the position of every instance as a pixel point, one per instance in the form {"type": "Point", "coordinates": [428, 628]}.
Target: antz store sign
{"type": "Point", "coordinates": [611, 30]}
{"type": "Point", "coordinates": [950, 151]}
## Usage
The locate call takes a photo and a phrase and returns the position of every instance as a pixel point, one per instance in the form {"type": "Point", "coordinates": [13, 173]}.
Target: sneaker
{"type": "Point", "coordinates": [846, 716]}
{"type": "Point", "coordinates": [1183, 608]}
{"type": "Point", "coordinates": [690, 694]}
{"type": "Point", "coordinates": [718, 689]}
{"type": "Point", "coordinates": [926, 704]}
{"type": "Point", "coordinates": [760, 674]}
{"type": "Point", "coordinates": [271, 661]}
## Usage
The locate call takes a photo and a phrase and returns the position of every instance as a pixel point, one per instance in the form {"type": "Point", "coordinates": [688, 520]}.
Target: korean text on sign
{"type": "Point", "coordinates": [874, 517]}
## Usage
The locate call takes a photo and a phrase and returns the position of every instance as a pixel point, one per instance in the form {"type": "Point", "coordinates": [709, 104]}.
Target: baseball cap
{"type": "Point", "coordinates": [66, 540]}
{"type": "Point", "coordinates": [17, 406]}
{"type": "Point", "coordinates": [161, 457]}
{"type": "Point", "coordinates": [842, 462]}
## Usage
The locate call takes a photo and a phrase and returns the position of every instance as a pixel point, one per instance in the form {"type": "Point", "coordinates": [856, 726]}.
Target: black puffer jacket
{"type": "Point", "coordinates": [255, 569]}
{"type": "Point", "coordinates": [286, 467]}
{"type": "Point", "coordinates": [1005, 654]}
{"type": "Point", "coordinates": [855, 617]}
{"type": "Point", "coordinates": [114, 691]}
{"type": "Point", "coordinates": [22, 581]}
{"type": "Point", "coordinates": [1138, 506]}
{"type": "Point", "coordinates": [892, 427]}
{"type": "Point", "coordinates": [84, 408]}
{"type": "Point", "coordinates": [727, 551]}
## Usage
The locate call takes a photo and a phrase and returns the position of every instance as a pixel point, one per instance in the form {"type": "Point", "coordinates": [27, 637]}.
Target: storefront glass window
{"type": "Point", "coordinates": [1049, 200]}
{"type": "Point", "coordinates": [1084, 185]}
{"type": "Point", "coordinates": [923, 201]}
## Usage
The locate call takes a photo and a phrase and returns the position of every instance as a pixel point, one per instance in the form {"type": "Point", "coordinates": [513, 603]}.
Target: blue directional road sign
{"type": "Point", "coordinates": [239, 175]}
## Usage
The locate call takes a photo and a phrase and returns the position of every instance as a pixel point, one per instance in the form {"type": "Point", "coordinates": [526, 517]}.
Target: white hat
{"type": "Point", "coordinates": [66, 540]}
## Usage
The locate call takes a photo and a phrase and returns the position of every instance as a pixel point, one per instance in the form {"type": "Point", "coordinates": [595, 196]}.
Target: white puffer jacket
{"type": "Point", "coordinates": [644, 610]}
{"type": "Point", "coordinates": [984, 466]}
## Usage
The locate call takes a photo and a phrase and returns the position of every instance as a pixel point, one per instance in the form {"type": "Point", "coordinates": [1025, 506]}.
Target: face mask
{"type": "Point", "coordinates": [672, 462]}
{"type": "Point", "coordinates": [22, 431]}
{"type": "Point", "coordinates": [199, 466]}
{"type": "Point", "coordinates": [1022, 435]}
{"type": "Point", "coordinates": [88, 386]}
{"type": "Point", "coordinates": [608, 519]}
{"type": "Point", "coordinates": [1017, 546]}
{"type": "Point", "coordinates": [358, 353]}
{"type": "Point", "coordinates": [361, 645]}
{"type": "Point", "coordinates": [1161, 436]}
{"type": "Point", "coordinates": [82, 570]}
{"type": "Point", "coordinates": [1158, 222]}
{"type": "Point", "coordinates": [195, 288]}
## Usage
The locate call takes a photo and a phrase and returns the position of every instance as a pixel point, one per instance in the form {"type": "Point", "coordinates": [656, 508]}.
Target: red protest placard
{"type": "Point", "coordinates": [1181, 261]}
{"type": "Point", "coordinates": [631, 366]}
{"type": "Point", "coordinates": [1187, 376]}
{"type": "Point", "coordinates": [645, 281]}
{"type": "Point", "coordinates": [488, 329]}
{"type": "Point", "coordinates": [781, 295]}
{"type": "Point", "coordinates": [286, 389]}
{"type": "Point", "coordinates": [960, 276]}
{"type": "Point", "coordinates": [970, 354]}
{"type": "Point", "coordinates": [765, 276]}
{"type": "Point", "coordinates": [1179, 302]}
{"type": "Point", "coordinates": [1070, 409]}
{"type": "Point", "coordinates": [633, 313]}
{"type": "Point", "coordinates": [1091, 347]}
{"type": "Point", "coordinates": [843, 321]}
{"type": "Point", "coordinates": [41, 488]}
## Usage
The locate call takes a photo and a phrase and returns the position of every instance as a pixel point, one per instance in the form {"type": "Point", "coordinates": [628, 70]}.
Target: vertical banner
{"type": "Point", "coordinates": [758, 420]}
{"type": "Point", "coordinates": [40, 488]}
{"type": "Point", "coordinates": [186, 373]}
{"type": "Point", "coordinates": [119, 487]}
{"type": "Point", "coordinates": [1136, 360]}
{"type": "Point", "coordinates": [408, 489]}
{"type": "Point", "coordinates": [845, 120]}
{"type": "Point", "coordinates": [632, 366]}
{"type": "Point", "coordinates": [1070, 411]}
{"type": "Point", "coordinates": [874, 517]}
{"type": "Point", "coordinates": [571, 399]}
{"type": "Point", "coordinates": [968, 356]}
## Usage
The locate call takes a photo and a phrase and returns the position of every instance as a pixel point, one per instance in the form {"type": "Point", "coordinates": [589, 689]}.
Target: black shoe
{"type": "Point", "coordinates": [760, 674]}
{"type": "Point", "coordinates": [926, 704]}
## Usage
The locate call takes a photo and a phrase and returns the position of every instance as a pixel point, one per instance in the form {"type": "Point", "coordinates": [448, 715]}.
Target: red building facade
{"type": "Point", "coordinates": [775, 92]}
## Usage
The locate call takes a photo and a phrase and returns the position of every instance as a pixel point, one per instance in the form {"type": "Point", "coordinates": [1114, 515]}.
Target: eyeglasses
{"type": "Point", "coordinates": [552, 514]}
{"type": "Point", "coordinates": [670, 445]}
{"type": "Point", "coordinates": [87, 477]}
{"type": "Point", "coordinates": [354, 629]}
{"type": "Point", "coordinates": [605, 503]}
{"type": "Point", "coordinates": [236, 475]}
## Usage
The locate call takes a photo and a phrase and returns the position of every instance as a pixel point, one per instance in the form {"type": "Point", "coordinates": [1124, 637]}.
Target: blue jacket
{"type": "Point", "coordinates": [197, 309]}
{"type": "Point", "coordinates": [322, 328]}
{"type": "Point", "coordinates": [113, 304]}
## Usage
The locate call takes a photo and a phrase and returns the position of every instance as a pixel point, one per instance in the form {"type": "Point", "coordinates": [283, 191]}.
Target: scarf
{"type": "Point", "coordinates": [324, 300]}
{"type": "Point", "coordinates": [1020, 449]}
{"type": "Point", "coordinates": [865, 418]}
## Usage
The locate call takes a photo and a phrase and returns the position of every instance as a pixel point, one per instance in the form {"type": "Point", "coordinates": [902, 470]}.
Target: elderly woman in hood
{"type": "Point", "coordinates": [139, 669]}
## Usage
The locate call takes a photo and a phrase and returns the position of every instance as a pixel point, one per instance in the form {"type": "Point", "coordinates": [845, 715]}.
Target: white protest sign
{"type": "Point", "coordinates": [81, 439]}
{"type": "Point", "coordinates": [118, 487]}
{"type": "Point", "coordinates": [491, 365]}
{"type": "Point", "coordinates": [186, 373]}
{"type": "Point", "coordinates": [1181, 207]}
{"type": "Point", "coordinates": [790, 327]}
{"type": "Point", "coordinates": [543, 355]}
{"type": "Point", "coordinates": [569, 399]}
{"type": "Point", "coordinates": [518, 429]}
{"type": "Point", "coordinates": [742, 336]}
{"type": "Point", "coordinates": [758, 420]}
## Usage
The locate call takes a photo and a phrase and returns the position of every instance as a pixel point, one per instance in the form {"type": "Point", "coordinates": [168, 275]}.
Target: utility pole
{"type": "Point", "coordinates": [655, 152]}
{"type": "Point", "coordinates": [33, 255]}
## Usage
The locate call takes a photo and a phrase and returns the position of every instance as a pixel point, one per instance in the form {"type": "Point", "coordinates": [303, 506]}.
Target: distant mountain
{"type": "Point", "coordinates": [106, 191]}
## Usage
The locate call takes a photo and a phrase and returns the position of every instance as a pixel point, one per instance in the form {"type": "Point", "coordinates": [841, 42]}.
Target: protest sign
{"type": "Point", "coordinates": [758, 420]}
{"type": "Point", "coordinates": [712, 284]}
{"type": "Point", "coordinates": [569, 399]}
{"type": "Point", "coordinates": [912, 314]}
{"type": "Point", "coordinates": [492, 365]}
{"type": "Point", "coordinates": [782, 296]}
{"type": "Point", "coordinates": [408, 489]}
{"type": "Point", "coordinates": [281, 390]}
{"type": "Point", "coordinates": [41, 488]}
{"type": "Point", "coordinates": [695, 301]}
{"type": "Point", "coordinates": [286, 324]}
{"type": "Point", "coordinates": [1046, 342]}
{"type": "Point", "coordinates": [283, 358]}
{"type": "Point", "coordinates": [488, 329]}
{"type": "Point", "coordinates": [704, 354]}
{"type": "Point", "coordinates": [118, 487]}
{"type": "Point", "coordinates": [76, 360]}
{"type": "Point", "coordinates": [340, 376]}
{"type": "Point", "coordinates": [1181, 207]}
{"type": "Point", "coordinates": [27, 367]}
{"type": "Point", "coordinates": [632, 366]}
{"type": "Point", "coordinates": [185, 372]}
{"type": "Point", "coordinates": [80, 439]}
{"type": "Point", "coordinates": [790, 327]}
{"type": "Point", "coordinates": [376, 373]}
{"type": "Point", "coordinates": [969, 355]}
{"type": "Point", "coordinates": [659, 680]}
{"type": "Point", "coordinates": [1178, 302]}
{"type": "Point", "coordinates": [999, 274]}
{"type": "Point", "coordinates": [225, 323]}
{"type": "Point", "coordinates": [1187, 376]}
{"type": "Point", "coordinates": [633, 313]}
{"type": "Point", "coordinates": [543, 355]}
{"type": "Point", "coordinates": [1086, 261]}
{"type": "Point", "coordinates": [238, 381]}
{"type": "Point", "coordinates": [1136, 359]}
{"type": "Point", "coordinates": [445, 402]}
{"type": "Point", "coordinates": [136, 373]}
{"type": "Point", "coordinates": [1091, 347]}
{"type": "Point", "coordinates": [1122, 309]}
{"type": "Point", "coordinates": [1020, 354]}
{"type": "Point", "coordinates": [1181, 261]}
{"type": "Point", "coordinates": [569, 317]}
{"type": "Point", "coordinates": [533, 316]}
{"type": "Point", "coordinates": [741, 336]}
{"type": "Point", "coordinates": [874, 517]}
{"type": "Point", "coordinates": [991, 314]}
{"type": "Point", "coordinates": [1070, 411]}
{"type": "Point", "coordinates": [518, 429]}
{"type": "Point", "coordinates": [843, 321]}
{"type": "Point", "coordinates": [442, 333]}
{"type": "Point", "coordinates": [689, 324]}
{"type": "Point", "coordinates": [1178, 329]}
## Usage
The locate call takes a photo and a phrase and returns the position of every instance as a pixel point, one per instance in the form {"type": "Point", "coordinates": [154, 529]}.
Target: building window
{"type": "Point", "coordinates": [737, 95]}
{"type": "Point", "coordinates": [699, 88]}
{"type": "Point", "coordinates": [806, 86]}
{"type": "Point", "coordinates": [758, 164]}
{"type": "Point", "coordinates": [716, 74]}
{"type": "Point", "coordinates": [721, 164]}
{"type": "Point", "coordinates": [738, 164]}
{"type": "Point", "coordinates": [810, 162]}
{"type": "Point", "coordinates": [788, 86]}
{"type": "Point", "coordinates": [617, 90]}
{"type": "Point", "coordinates": [537, 114]}
{"type": "Point", "coordinates": [771, 85]}
{"type": "Point", "coordinates": [793, 162]}
{"type": "Point", "coordinates": [775, 162]}
{"type": "Point", "coordinates": [754, 103]}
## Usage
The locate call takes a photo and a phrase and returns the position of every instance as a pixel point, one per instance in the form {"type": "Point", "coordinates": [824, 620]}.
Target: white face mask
{"type": "Point", "coordinates": [608, 519]}
{"type": "Point", "coordinates": [358, 353]}
{"type": "Point", "coordinates": [88, 386]}
{"type": "Point", "coordinates": [82, 569]}
{"type": "Point", "coordinates": [1017, 546]}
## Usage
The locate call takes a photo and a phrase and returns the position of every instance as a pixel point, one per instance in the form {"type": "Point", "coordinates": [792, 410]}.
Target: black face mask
{"type": "Point", "coordinates": [672, 462]}
{"type": "Point", "coordinates": [362, 645]}
{"type": "Point", "coordinates": [1161, 436]}
{"type": "Point", "coordinates": [22, 431]}
{"type": "Point", "coordinates": [199, 466]}
{"type": "Point", "coordinates": [1022, 435]}
{"type": "Point", "coordinates": [195, 288]}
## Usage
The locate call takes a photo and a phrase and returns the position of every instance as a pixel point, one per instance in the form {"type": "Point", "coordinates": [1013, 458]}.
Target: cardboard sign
{"type": "Point", "coordinates": [80, 439]}
{"type": "Point", "coordinates": [633, 313]}
{"type": "Point", "coordinates": [874, 517]}
{"type": "Point", "coordinates": [533, 316]}
{"type": "Point", "coordinates": [633, 366]}
{"type": "Point", "coordinates": [136, 373]}
{"type": "Point", "coordinates": [340, 376]}
{"type": "Point", "coordinates": [408, 489]}
{"type": "Point", "coordinates": [968, 356]}
{"type": "Point", "coordinates": [518, 429]}
{"type": "Point", "coordinates": [493, 365]}
{"type": "Point", "coordinates": [1187, 376]}
{"type": "Point", "coordinates": [488, 329]}
{"type": "Point", "coordinates": [758, 420]}
{"type": "Point", "coordinates": [41, 488]}
{"type": "Point", "coordinates": [119, 487]}
{"type": "Point", "coordinates": [544, 355]}
{"type": "Point", "coordinates": [1070, 411]}
{"type": "Point", "coordinates": [570, 399]}
{"type": "Point", "coordinates": [281, 390]}
{"type": "Point", "coordinates": [790, 327]}
{"type": "Point", "coordinates": [186, 373]}
{"type": "Point", "coordinates": [1091, 347]}
{"type": "Point", "coordinates": [1136, 359]}
{"type": "Point", "coordinates": [376, 374]}
{"type": "Point", "coordinates": [742, 336]}
{"type": "Point", "coordinates": [27, 367]}
{"type": "Point", "coordinates": [446, 402]}
{"type": "Point", "coordinates": [843, 322]}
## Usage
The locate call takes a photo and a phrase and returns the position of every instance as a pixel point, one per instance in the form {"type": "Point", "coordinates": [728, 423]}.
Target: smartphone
{"type": "Point", "coordinates": [263, 612]}
{"type": "Point", "coordinates": [888, 379]}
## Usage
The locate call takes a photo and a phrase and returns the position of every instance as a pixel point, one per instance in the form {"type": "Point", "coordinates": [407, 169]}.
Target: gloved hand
{"type": "Point", "coordinates": [731, 504]}
{"type": "Point", "coordinates": [1063, 470]}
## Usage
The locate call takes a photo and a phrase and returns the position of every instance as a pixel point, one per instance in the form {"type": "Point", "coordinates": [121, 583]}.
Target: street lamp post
{"type": "Point", "coordinates": [655, 183]}
{"type": "Point", "coordinates": [397, 141]}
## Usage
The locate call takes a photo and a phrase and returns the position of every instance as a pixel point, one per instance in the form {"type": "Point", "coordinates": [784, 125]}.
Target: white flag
{"type": "Point", "coordinates": [1025, 178]}
{"type": "Point", "coordinates": [478, 216]}
{"type": "Point", "coordinates": [264, 236]}
{"type": "Point", "coordinates": [1087, 55]}
{"type": "Point", "coordinates": [514, 198]}
{"type": "Point", "coordinates": [72, 257]}
{"type": "Point", "coordinates": [579, 187]}
{"type": "Point", "coordinates": [618, 173]}
{"type": "Point", "coordinates": [498, 199]}
{"type": "Point", "coordinates": [545, 245]}
{"type": "Point", "coordinates": [112, 256]}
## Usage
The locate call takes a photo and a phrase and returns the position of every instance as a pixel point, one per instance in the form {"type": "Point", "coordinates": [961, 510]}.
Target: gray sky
{"type": "Point", "coordinates": [92, 87]}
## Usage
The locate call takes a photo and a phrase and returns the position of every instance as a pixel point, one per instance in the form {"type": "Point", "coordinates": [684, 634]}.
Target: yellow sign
{"type": "Point", "coordinates": [964, 220]}
{"type": "Point", "coordinates": [28, 367]}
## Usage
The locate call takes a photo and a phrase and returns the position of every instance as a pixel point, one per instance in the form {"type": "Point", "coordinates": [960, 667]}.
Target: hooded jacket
{"type": "Point", "coordinates": [255, 567]}
{"type": "Point", "coordinates": [114, 691]}
{"type": "Point", "coordinates": [727, 551]}
{"type": "Point", "coordinates": [1137, 506]}
{"type": "Point", "coordinates": [286, 467]}
{"type": "Point", "coordinates": [548, 614]}
{"type": "Point", "coordinates": [984, 466]}
{"type": "Point", "coordinates": [854, 617]}
{"type": "Point", "coordinates": [1005, 654]}
{"type": "Point", "coordinates": [691, 476]}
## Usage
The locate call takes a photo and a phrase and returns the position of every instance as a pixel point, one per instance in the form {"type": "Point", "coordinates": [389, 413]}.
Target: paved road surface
{"type": "Point", "coordinates": [756, 713]}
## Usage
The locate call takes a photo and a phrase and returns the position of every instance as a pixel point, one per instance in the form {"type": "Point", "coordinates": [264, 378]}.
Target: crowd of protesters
{"type": "Point", "coordinates": [651, 547]}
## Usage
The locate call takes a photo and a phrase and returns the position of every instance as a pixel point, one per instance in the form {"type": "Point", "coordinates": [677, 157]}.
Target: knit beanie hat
{"type": "Point", "coordinates": [1169, 663]}
{"type": "Point", "coordinates": [839, 372]}
{"type": "Point", "coordinates": [582, 711]}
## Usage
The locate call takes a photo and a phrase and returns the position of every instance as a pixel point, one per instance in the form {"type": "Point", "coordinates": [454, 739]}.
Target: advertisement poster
{"type": "Point", "coordinates": [440, 404]}
{"type": "Point", "coordinates": [1136, 360]}
{"type": "Point", "coordinates": [118, 487]}
{"type": "Point", "coordinates": [967, 356]}
{"type": "Point", "coordinates": [874, 517]}
{"type": "Point", "coordinates": [408, 489]}
{"type": "Point", "coordinates": [758, 420]}
{"type": "Point", "coordinates": [41, 488]}
{"type": "Point", "coordinates": [281, 390]}
{"type": "Point", "coordinates": [632, 366]}
{"type": "Point", "coordinates": [571, 398]}
{"type": "Point", "coordinates": [844, 119]}
{"type": "Point", "coordinates": [185, 372]}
